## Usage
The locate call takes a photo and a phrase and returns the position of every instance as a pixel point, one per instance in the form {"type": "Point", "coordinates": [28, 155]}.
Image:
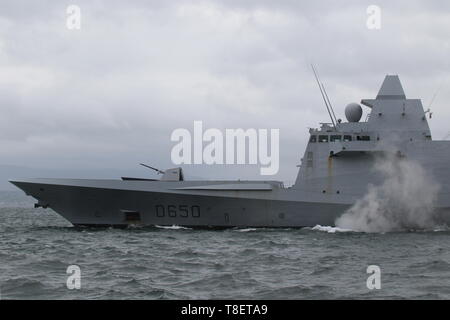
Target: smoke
{"type": "Point", "coordinates": [404, 201]}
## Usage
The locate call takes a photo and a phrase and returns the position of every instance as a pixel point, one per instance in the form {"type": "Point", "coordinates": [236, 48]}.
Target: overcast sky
{"type": "Point", "coordinates": [110, 94]}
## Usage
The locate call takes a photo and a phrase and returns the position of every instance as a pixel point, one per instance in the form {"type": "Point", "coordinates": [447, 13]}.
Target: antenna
{"type": "Point", "coordinates": [432, 100]}
{"type": "Point", "coordinates": [434, 95]}
{"type": "Point", "coordinates": [147, 166]}
{"type": "Point", "coordinates": [324, 96]}
{"type": "Point", "coordinates": [329, 103]}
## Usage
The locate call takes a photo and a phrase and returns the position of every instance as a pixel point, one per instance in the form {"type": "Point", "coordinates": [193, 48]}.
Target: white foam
{"type": "Point", "coordinates": [245, 230]}
{"type": "Point", "coordinates": [329, 229]}
{"type": "Point", "coordinates": [173, 227]}
{"type": "Point", "coordinates": [442, 228]}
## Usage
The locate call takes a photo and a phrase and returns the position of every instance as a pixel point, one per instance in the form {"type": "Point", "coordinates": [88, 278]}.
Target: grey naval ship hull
{"type": "Point", "coordinates": [121, 203]}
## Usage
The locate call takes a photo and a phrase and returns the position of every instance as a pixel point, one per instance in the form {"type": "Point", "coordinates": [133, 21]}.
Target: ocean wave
{"type": "Point", "coordinates": [245, 230]}
{"type": "Point", "coordinates": [255, 263]}
{"type": "Point", "coordinates": [173, 227]}
{"type": "Point", "coordinates": [330, 229]}
{"type": "Point", "coordinates": [442, 228]}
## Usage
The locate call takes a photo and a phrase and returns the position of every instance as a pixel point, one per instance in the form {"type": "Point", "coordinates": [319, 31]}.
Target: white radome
{"type": "Point", "coordinates": [353, 112]}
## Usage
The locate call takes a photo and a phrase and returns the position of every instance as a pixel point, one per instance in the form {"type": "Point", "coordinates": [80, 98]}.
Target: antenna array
{"type": "Point", "coordinates": [326, 100]}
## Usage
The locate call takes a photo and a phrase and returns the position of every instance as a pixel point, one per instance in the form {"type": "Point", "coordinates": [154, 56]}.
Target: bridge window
{"type": "Point", "coordinates": [323, 138]}
{"type": "Point", "coordinates": [363, 138]}
{"type": "Point", "coordinates": [313, 139]}
{"type": "Point", "coordinates": [347, 138]}
{"type": "Point", "coordinates": [335, 138]}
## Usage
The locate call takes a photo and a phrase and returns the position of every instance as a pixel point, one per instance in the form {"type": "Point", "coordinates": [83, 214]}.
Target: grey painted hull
{"type": "Point", "coordinates": [84, 204]}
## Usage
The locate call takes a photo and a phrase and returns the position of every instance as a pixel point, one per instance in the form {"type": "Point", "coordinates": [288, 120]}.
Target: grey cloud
{"type": "Point", "coordinates": [113, 92]}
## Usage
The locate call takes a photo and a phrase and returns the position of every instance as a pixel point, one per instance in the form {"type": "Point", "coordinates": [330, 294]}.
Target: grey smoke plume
{"type": "Point", "coordinates": [404, 201]}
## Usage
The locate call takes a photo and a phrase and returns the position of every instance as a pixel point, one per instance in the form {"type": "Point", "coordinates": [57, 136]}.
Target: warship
{"type": "Point", "coordinates": [335, 171]}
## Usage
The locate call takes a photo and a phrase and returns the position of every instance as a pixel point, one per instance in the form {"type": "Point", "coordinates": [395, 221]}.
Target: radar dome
{"type": "Point", "coordinates": [353, 112]}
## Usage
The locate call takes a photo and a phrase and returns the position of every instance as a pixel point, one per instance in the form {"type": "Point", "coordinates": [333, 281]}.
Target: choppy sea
{"type": "Point", "coordinates": [37, 246]}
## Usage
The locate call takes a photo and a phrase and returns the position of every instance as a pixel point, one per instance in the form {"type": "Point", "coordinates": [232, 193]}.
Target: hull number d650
{"type": "Point", "coordinates": [174, 211]}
